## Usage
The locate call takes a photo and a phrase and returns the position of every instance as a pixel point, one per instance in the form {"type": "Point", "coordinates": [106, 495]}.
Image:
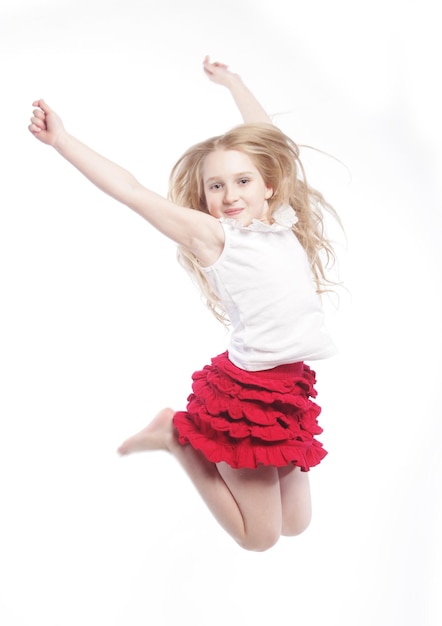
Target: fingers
{"type": "Point", "coordinates": [209, 66]}
{"type": "Point", "coordinates": [206, 64]}
{"type": "Point", "coordinates": [38, 121]}
{"type": "Point", "coordinates": [34, 129]}
{"type": "Point", "coordinates": [42, 104]}
{"type": "Point", "coordinates": [37, 125]}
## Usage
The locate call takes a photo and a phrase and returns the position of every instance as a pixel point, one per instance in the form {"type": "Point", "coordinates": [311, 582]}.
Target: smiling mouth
{"type": "Point", "coordinates": [233, 211]}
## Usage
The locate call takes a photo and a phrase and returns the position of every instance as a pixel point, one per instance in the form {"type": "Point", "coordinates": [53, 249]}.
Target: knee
{"type": "Point", "coordinates": [259, 543]}
{"type": "Point", "coordinates": [294, 527]}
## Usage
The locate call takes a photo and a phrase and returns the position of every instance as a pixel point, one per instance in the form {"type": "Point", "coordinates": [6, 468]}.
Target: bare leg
{"type": "Point", "coordinates": [257, 492]}
{"type": "Point", "coordinates": [295, 500]}
{"type": "Point", "coordinates": [246, 503]}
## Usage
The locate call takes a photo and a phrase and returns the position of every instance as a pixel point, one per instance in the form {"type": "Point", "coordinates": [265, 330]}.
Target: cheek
{"type": "Point", "coordinates": [207, 202]}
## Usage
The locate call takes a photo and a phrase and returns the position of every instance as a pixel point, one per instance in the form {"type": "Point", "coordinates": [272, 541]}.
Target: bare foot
{"type": "Point", "coordinates": [158, 435]}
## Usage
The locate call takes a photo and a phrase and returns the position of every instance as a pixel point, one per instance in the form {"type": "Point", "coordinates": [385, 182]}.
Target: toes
{"type": "Point", "coordinates": [124, 448]}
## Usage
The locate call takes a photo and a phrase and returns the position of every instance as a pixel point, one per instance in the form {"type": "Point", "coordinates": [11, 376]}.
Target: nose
{"type": "Point", "coordinates": [230, 194]}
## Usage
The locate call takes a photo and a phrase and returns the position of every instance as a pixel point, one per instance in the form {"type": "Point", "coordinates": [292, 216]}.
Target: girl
{"type": "Point", "coordinates": [249, 228]}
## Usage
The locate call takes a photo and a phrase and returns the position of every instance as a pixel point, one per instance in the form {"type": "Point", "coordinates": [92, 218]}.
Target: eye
{"type": "Point", "coordinates": [244, 181]}
{"type": "Point", "coordinates": [215, 186]}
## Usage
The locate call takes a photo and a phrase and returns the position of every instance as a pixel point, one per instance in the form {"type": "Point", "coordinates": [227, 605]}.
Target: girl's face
{"type": "Point", "coordinates": [234, 188]}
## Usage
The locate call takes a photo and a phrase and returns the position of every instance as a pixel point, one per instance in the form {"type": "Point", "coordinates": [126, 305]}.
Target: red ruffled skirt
{"type": "Point", "coordinates": [251, 418]}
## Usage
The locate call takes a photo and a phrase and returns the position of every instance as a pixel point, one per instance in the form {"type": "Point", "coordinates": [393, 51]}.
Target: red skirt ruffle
{"type": "Point", "coordinates": [251, 418]}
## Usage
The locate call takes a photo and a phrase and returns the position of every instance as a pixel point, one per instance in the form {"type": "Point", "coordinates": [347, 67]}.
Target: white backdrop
{"type": "Point", "coordinates": [100, 327]}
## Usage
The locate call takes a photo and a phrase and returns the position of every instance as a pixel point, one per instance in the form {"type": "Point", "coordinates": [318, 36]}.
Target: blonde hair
{"type": "Point", "coordinates": [276, 157]}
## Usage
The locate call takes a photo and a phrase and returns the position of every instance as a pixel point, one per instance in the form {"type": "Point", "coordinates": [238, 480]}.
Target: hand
{"type": "Point", "coordinates": [219, 72]}
{"type": "Point", "coordinates": [45, 125]}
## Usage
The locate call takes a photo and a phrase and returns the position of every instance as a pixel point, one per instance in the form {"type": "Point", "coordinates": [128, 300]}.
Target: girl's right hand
{"type": "Point", "coordinates": [219, 72]}
{"type": "Point", "coordinates": [45, 125]}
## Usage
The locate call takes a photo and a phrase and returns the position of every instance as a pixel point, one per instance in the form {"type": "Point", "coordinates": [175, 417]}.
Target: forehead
{"type": "Point", "coordinates": [227, 163]}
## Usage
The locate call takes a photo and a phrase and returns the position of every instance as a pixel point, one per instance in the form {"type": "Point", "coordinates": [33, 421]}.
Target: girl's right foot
{"type": "Point", "coordinates": [158, 435]}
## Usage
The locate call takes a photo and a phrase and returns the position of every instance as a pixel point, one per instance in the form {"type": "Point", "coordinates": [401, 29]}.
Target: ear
{"type": "Point", "coordinates": [268, 193]}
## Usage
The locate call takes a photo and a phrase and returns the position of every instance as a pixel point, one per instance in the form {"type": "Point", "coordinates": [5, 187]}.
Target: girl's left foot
{"type": "Point", "coordinates": [158, 435]}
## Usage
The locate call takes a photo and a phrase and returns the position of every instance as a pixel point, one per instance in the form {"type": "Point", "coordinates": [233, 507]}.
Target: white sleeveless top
{"type": "Point", "coordinates": [266, 287]}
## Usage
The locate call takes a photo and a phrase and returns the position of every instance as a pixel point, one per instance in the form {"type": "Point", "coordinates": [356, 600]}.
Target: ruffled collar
{"type": "Point", "coordinates": [283, 218]}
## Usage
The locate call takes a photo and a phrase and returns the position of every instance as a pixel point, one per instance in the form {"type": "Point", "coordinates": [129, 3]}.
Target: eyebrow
{"type": "Point", "coordinates": [238, 175]}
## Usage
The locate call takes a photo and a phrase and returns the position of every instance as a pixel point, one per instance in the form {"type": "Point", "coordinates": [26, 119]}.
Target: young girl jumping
{"type": "Point", "coordinates": [250, 230]}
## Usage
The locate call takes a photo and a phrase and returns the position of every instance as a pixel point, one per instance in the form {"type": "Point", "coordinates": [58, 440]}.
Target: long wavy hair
{"type": "Point", "coordinates": [276, 157]}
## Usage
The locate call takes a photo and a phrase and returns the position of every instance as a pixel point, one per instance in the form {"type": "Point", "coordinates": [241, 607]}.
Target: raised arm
{"type": "Point", "coordinates": [195, 230]}
{"type": "Point", "coordinates": [249, 107]}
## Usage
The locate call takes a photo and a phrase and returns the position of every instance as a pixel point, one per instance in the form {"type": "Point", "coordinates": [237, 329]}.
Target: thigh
{"type": "Point", "coordinates": [258, 496]}
{"type": "Point", "coordinates": [295, 500]}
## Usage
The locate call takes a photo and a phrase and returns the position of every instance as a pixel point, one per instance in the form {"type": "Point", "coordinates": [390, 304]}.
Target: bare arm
{"type": "Point", "coordinates": [197, 231]}
{"type": "Point", "coordinates": [249, 107]}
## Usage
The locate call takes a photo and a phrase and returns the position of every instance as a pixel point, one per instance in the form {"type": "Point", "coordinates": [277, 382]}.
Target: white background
{"type": "Point", "coordinates": [100, 327]}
